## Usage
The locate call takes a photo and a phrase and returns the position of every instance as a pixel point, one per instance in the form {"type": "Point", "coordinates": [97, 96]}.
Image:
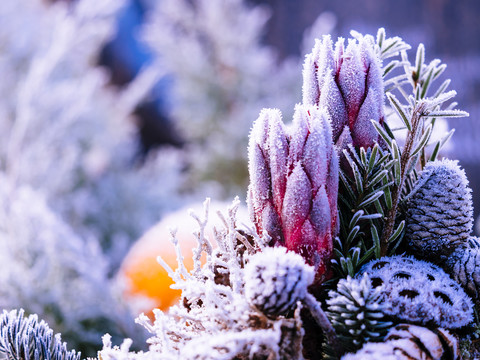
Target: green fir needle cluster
{"type": "Point", "coordinates": [356, 312]}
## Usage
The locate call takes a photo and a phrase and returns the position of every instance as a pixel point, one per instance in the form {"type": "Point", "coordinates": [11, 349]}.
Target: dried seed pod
{"type": "Point", "coordinates": [464, 266]}
{"type": "Point", "coordinates": [412, 342]}
{"type": "Point", "coordinates": [420, 292]}
{"type": "Point", "coordinates": [275, 279]}
{"type": "Point", "coordinates": [440, 211]}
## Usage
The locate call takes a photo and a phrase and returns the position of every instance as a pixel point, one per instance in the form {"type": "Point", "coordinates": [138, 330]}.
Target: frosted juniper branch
{"type": "Point", "coordinates": [417, 114]}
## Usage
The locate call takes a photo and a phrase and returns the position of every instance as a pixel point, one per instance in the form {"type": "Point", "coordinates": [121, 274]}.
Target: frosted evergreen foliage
{"type": "Point", "coordinates": [30, 339]}
{"type": "Point", "coordinates": [293, 189]}
{"type": "Point", "coordinates": [440, 211]}
{"type": "Point", "coordinates": [464, 266]}
{"type": "Point", "coordinates": [410, 342]}
{"type": "Point", "coordinates": [276, 279]}
{"type": "Point", "coordinates": [420, 292]}
{"type": "Point", "coordinates": [356, 312]}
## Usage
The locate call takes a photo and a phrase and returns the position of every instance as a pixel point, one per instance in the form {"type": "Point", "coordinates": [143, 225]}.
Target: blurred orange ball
{"type": "Point", "coordinates": [144, 276]}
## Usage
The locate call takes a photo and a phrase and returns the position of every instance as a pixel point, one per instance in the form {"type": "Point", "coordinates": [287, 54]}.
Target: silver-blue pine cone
{"type": "Point", "coordinates": [440, 211]}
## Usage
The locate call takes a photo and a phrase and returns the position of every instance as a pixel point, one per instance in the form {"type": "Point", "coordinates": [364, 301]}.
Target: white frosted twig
{"type": "Point", "coordinates": [245, 242]}
{"type": "Point", "coordinates": [181, 269]}
{"type": "Point", "coordinates": [203, 243]}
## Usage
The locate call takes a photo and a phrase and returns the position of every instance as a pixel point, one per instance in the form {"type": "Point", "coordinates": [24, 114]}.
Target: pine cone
{"type": "Point", "coordinates": [275, 279]}
{"type": "Point", "coordinates": [420, 292]}
{"type": "Point", "coordinates": [356, 312]}
{"type": "Point", "coordinates": [464, 267]}
{"type": "Point", "coordinates": [410, 342]}
{"type": "Point", "coordinates": [440, 211]}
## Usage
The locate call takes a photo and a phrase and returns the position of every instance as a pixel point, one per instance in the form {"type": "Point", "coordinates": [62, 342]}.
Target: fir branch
{"type": "Point", "coordinates": [405, 159]}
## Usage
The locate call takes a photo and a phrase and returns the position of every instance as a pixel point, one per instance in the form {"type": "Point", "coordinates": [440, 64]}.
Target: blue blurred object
{"type": "Point", "coordinates": [125, 56]}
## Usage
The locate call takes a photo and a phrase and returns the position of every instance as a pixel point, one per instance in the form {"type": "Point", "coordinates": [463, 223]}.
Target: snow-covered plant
{"type": "Point", "coordinates": [222, 76]}
{"type": "Point", "coordinates": [293, 188]}
{"type": "Point", "coordinates": [68, 184]}
{"type": "Point", "coordinates": [420, 292]}
{"type": "Point", "coordinates": [356, 310]}
{"type": "Point", "coordinates": [406, 342]}
{"type": "Point", "coordinates": [439, 211]}
{"type": "Point", "coordinates": [214, 320]}
{"type": "Point", "coordinates": [49, 270]}
{"type": "Point", "coordinates": [30, 339]}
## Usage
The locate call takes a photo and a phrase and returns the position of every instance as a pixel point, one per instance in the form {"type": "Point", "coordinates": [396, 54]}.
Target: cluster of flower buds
{"type": "Point", "coordinates": [347, 82]}
{"type": "Point", "coordinates": [294, 183]}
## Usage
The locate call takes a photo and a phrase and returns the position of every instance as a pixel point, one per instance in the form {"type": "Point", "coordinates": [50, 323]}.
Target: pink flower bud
{"type": "Point", "coordinates": [348, 83]}
{"type": "Point", "coordinates": [294, 183]}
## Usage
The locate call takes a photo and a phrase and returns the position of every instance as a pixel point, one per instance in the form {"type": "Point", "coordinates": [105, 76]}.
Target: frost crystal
{"type": "Point", "coordinates": [275, 279]}
{"type": "Point", "coordinates": [408, 342]}
{"type": "Point", "coordinates": [347, 82]}
{"type": "Point", "coordinates": [420, 292]}
{"type": "Point", "coordinates": [294, 183]}
{"type": "Point", "coordinates": [440, 211]}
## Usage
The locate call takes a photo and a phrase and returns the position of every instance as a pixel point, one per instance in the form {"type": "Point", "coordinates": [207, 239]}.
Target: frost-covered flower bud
{"type": "Point", "coordinates": [348, 83]}
{"type": "Point", "coordinates": [440, 211]}
{"type": "Point", "coordinates": [294, 183]}
{"type": "Point", "coordinates": [275, 279]}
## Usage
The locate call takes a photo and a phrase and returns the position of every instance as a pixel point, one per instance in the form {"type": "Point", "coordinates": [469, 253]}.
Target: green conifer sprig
{"type": "Point", "coordinates": [364, 199]}
{"type": "Point", "coordinates": [355, 310]}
